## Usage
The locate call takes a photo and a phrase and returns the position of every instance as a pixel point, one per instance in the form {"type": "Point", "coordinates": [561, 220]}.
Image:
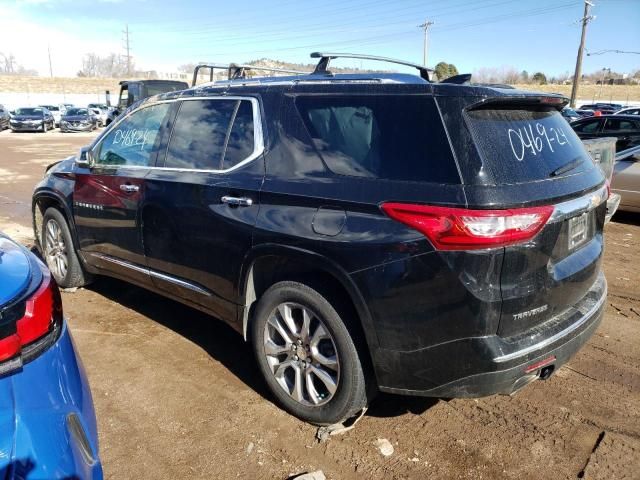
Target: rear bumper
{"type": "Point", "coordinates": [47, 418]}
{"type": "Point", "coordinates": [481, 366]}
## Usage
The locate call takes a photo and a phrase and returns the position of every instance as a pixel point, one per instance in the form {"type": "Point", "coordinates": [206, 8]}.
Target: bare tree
{"type": "Point", "coordinates": [112, 65]}
{"type": "Point", "coordinates": [10, 66]}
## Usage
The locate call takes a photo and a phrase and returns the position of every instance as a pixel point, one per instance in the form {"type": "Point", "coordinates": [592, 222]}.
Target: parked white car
{"type": "Point", "coordinates": [102, 112]}
{"type": "Point", "coordinates": [101, 116]}
{"type": "Point", "coordinates": [628, 111]}
{"type": "Point", "coordinates": [57, 112]}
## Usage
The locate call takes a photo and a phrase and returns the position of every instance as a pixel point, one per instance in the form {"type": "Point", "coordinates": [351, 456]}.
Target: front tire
{"type": "Point", "coordinates": [44, 127]}
{"type": "Point", "coordinates": [306, 354]}
{"type": "Point", "coordinates": [59, 253]}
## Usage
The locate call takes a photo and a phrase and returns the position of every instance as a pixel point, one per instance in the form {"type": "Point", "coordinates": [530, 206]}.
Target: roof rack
{"type": "Point", "coordinates": [211, 67]}
{"type": "Point", "coordinates": [325, 58]}
{"type": "Point", "coordinates": [236, 71]}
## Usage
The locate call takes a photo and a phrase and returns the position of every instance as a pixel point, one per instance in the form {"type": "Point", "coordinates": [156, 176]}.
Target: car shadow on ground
{"type": "Point", "coordinates": [218, 339]}
{"type": "Point", "coordinates": [387, 405]}
{"type": "Point", "coordinates": [628, 218]}
{"type": "Point", "coordinates": [224, 344]}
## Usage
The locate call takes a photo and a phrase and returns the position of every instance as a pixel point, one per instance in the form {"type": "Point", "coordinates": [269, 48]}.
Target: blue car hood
{"type": "Point", "coordinates": [15, 270]}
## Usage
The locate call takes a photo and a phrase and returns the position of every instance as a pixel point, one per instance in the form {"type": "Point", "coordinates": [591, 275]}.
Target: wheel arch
{"type": "Point", "coordinates": [271, 263]}
{"type": "Point", "coordinates": [44, 199]}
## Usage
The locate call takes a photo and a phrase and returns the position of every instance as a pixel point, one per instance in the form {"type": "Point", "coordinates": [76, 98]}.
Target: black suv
{"type": "Point", "coordinates": [364, 232]}
{"type": "Point", "coordinates": [625, 128]}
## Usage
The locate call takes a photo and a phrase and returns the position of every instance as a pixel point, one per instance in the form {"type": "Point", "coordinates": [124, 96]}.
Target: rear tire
{"type": "Point", "coordinates": [316, 376]}
{"type": "Point", "coordinates": [59, 252]}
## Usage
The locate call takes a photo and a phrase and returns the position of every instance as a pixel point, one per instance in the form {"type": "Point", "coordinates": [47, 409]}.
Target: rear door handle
{"type": "Point", "coordinates": [128, 188]}
{"type": "Point", "coordinates": [237, 201]}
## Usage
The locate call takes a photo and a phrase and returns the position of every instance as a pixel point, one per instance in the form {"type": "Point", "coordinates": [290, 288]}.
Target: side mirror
{"type": "Point", "coordinates": [84, 159]}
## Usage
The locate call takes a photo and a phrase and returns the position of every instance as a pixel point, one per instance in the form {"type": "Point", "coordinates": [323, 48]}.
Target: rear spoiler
{"type": "Point", "coordinates": [509, 101]}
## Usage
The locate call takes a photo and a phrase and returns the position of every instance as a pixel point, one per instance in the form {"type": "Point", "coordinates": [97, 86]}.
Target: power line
{"type": "Point", "coordinates": [586, 18]}
{"type": "Point", "coordinates": [284, 23]}
{"type": "Point", "coordinates": [602, 52]}
{"type": "Point", "coordinates": [369, 40]}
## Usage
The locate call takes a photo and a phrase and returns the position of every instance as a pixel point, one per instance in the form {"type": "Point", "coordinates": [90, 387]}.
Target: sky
{"type": "Point", "coordinates": [532, 35]}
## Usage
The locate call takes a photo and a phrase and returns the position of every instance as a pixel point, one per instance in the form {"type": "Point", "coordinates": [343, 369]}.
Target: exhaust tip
{"type": "Point", "coordinates": [546, 372]}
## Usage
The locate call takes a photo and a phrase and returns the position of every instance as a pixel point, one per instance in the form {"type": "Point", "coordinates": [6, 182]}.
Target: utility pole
{"type": "Point", "coordinates": [425, 26]}
{"type": "Point", "coordinates": [127, 48]}
{"type": "Point", "coordinates": [50, 67]}
{"type": "Point", "coordinates": [586, 18]}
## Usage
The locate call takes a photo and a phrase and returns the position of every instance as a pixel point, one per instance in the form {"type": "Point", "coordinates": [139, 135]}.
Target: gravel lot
{"type": "Point", "coordinates": [178, 396]}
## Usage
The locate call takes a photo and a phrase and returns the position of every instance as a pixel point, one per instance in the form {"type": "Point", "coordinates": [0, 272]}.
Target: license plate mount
{"type": "Point", "coordinates": [578, 230]}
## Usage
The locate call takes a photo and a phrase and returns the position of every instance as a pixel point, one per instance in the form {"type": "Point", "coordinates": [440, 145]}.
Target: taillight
{"type": "Point", "coordinates": [466, 229]}
{"type": "Point", "coordinates": [41, 311]}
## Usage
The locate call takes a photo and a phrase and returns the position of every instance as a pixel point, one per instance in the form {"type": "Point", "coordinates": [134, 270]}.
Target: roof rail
{"type": "Point", "coordinates": [236, 71]}
{"type": "Point", "coordinates": [325, 58]}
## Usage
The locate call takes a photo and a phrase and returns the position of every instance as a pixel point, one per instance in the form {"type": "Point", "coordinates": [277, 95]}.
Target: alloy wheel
{"type": "Point", "coordinates": [301, 354]}
{"type": "Point", "coordinates": [55, 250]}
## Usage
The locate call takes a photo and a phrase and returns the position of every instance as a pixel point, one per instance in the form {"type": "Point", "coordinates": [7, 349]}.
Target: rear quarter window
{"type": "Point", "coordinates": [391, 137]}
{"type": "Point", "coordinates": [526, 144]}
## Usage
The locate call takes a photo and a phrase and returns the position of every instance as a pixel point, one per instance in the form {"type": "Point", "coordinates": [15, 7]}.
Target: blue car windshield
{"type": "Point", "coordinates": [77, 111]}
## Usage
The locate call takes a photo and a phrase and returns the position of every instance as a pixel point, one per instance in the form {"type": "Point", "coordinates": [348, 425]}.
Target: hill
{"type": "Point", "coordinates": [61, 85]}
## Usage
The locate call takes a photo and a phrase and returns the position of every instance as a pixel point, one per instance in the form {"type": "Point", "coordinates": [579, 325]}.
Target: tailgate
{"type": "Point", "coordinates": [526, 154]}
{"type": "Point", "coordinates": [552, 273]}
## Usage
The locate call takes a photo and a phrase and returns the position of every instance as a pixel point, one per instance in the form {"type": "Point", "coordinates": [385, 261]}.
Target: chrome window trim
{"type": "Point", "coordinates": [577, 206]}
{"type": "Point", "coordinates": [258, 138]}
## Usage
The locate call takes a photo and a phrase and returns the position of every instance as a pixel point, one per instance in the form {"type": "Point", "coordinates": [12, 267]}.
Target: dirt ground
{"type": "Point", "coordinates": [177, 393]}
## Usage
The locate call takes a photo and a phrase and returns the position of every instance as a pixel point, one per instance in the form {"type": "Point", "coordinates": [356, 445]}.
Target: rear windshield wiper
{"type": "Point", "coordinates": [567, 167]}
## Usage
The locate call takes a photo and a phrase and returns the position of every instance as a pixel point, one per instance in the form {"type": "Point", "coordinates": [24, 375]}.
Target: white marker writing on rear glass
{"type": "Point", "coordinates": [524, 138]}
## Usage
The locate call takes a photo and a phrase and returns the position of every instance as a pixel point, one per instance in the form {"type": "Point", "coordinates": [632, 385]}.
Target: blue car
{"type": "Point", "coordinates": [47, 420]}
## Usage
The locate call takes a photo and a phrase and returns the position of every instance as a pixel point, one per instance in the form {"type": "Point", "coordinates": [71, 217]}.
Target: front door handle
{"type": "Point", "coordinates": [128, 188]}
{"type": "Point", "coordinates": [237, 201]}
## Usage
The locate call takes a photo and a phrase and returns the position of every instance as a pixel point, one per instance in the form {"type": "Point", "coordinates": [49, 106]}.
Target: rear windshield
{"type": "Point", "coordinates": [389, 137]}
{"type": "Point", "coordinates": [522, 145]}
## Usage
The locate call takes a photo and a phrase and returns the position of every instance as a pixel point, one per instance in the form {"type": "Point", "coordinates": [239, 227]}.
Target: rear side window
{"type": "Point", "coordinates": [392, 137]}
{"type": "Point", "coordinates": [211, 134]}
{"type": "Point", "coordinates": [587, 127]}
{"type": "Point", "coordinates": [615, 125]}
{"type": "Point", "coordinates": [521, 145]}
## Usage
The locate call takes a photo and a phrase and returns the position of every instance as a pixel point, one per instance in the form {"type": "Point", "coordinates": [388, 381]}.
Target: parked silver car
{"type": "Point", "coordinates": [626, 183]}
